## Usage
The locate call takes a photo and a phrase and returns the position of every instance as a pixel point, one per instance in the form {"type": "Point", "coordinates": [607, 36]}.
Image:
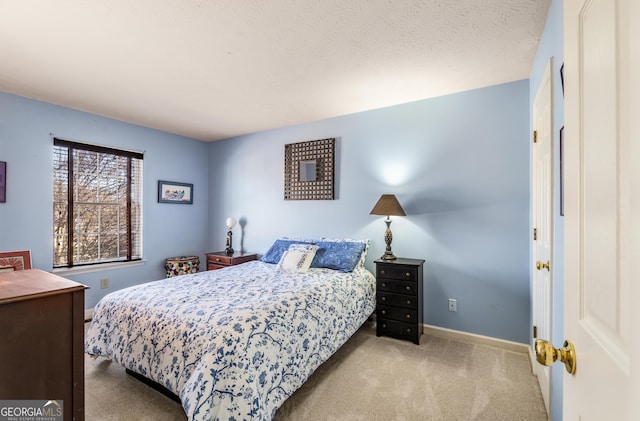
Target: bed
{"type": "Point", "coordinates": [235, 343]}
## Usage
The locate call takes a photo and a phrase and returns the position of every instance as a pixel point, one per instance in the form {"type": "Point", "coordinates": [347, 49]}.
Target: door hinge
{"type": "Point", "coordinates": [535, 234]}
{"type": "Point", "coordinates": [535, 136]}
{"type": "Point", "coordinates": [535, 332]}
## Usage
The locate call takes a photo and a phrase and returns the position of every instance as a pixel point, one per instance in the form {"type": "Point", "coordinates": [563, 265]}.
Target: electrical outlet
{"type": "Point", "coordinates": [104, 283]}
{"type": "Point", "coordinates": [453, 304]}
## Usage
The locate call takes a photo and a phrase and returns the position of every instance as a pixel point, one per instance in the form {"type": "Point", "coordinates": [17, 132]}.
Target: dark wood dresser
{"type": "Point", "coordinates": [220, 259]}
{"type": "Point", "coordinates": [42, 345]}
{"type": "Point", "coordinates": [399, 298]}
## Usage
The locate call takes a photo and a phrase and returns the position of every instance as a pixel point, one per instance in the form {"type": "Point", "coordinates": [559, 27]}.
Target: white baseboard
{"type": "Point", "coordinates": [88, 315]}
{"type": "Point", "coordinates": [476, 339]}
{"type": "Point", "coordinates": [532, 360]}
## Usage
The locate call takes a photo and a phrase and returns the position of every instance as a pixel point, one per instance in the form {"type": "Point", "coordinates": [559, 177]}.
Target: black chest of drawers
{"type": "Point", "coordinates": [399, 298]}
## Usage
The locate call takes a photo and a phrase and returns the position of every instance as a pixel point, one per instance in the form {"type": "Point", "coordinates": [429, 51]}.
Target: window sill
{"type": "Point", "coordinates": [96, 268]}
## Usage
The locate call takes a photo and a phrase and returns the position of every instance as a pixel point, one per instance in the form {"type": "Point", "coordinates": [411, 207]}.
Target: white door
{"type": "Point", "coordinates": [542, 203]}
{"type": "Point", "coordinates": [602, 208]}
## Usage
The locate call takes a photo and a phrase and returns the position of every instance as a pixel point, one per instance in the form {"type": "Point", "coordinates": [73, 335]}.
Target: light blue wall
{"type": "Point", "coordinates": [26, 221]}
{"type": "Point", "coordinates": [459, 165]}
{"type": "Point", "coordinates": [551, 47]}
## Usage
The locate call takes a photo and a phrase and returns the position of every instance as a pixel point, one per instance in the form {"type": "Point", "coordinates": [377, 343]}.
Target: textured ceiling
{"type": "Point", "coordinates": [212, 69]}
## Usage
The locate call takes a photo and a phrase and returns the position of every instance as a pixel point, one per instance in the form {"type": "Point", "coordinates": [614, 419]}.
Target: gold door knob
{"type": "Point", "coordinates": [546, 354]}
{"type": "Point", "coordinates": [541, 265]}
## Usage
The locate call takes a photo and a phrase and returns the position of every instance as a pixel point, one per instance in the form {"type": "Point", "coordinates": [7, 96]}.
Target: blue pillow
{"type": "Point", "coordinates": [342, 256]}
{"type": "Point", "coordinates": [277, 249]}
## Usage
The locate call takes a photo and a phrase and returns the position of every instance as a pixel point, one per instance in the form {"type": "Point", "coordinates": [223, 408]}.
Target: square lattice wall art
{"type": "Point", "coordinates": [309, 170]}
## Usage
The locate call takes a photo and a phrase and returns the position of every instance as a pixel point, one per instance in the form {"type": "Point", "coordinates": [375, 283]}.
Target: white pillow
{"type": "Point", "coordinates": [297, 258]}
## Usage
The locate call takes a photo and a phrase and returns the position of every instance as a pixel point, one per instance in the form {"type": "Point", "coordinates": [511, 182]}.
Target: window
{"type": "Point", "coordinates": [97, 204]}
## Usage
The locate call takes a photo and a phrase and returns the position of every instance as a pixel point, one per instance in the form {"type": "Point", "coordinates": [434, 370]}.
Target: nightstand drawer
{"type": "Point", "coordinates": [398, 330]}
{"type": "Point", "coordinates": [212, 266]}
{"type": "Point", "coordinates": [398, 300]}
{"type": "Point", "coordinates": [397, 313]}
{"type": "Point", "coordinates": [397, 272]}
{"type": "Point", "coordinates": [219, 260]}
{"type": "Point", "coordinates": [400, 287]}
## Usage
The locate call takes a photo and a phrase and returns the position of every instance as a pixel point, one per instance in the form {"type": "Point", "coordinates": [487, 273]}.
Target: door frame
{"type": "Point", "coordinates": [545, 82]}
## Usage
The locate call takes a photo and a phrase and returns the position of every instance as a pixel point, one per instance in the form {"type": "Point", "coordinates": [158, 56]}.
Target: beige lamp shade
{"type": "Point", "coordinates": [388, 205]}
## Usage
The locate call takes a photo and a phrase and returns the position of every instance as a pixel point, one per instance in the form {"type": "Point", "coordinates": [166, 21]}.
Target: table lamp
{"type": "Point", "coordinates": [388, 205]}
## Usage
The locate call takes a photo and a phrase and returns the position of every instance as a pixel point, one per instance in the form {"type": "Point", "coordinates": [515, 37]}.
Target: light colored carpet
{"type": "Point", "coordinates": [370, 379]}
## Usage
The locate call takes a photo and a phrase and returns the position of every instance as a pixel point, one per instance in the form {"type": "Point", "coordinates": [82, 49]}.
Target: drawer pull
{"type": "Point", "coordinates": [384, 272]}
{"type": "Point", "coordinates": [383, 312]}
{"type": "Point", "coordinates": [408, 330]}
{"type": "Point", "coordinates": [408, 316]}
{"type": "Point", "coordinates": [384, 325]}
{"type": "Point", "coordinates": [383, 284]}
{"type": "Point", "coordinates": [383, 298]}
{"type": "Point", "coordinates": [407, 274]}
{"type": "Point", "coordinates": [217, 259]}
{"type": "Point", "coordinates": [408, 302]}
{"type": "Point", "coordinates": [408, 288]}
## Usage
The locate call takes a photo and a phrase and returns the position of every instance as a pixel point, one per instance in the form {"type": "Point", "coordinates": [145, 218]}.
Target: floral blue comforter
{"type": "Point", "coordinates": [233, 343]}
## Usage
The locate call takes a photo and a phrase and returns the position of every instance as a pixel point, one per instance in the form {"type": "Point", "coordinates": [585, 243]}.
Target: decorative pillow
{"type": "Point", "coordinates": [297, 258]}
{"type": "Point", "coordinates": [350, 240]}
{"type": "Point", "coordinates": [277, 249]}
{"type": "Point", "coordinates": [339, 255]}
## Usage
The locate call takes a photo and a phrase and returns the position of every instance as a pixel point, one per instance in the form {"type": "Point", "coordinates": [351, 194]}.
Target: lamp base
{"type": "Point", "coordinates": [388, 255]}
{"type": "Point", "coordinates": [229, 249]}
{"type": "Point", "coordinates": [388, 237]}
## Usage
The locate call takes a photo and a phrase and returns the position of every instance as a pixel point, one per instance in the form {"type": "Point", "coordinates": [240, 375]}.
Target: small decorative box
{"type": "Point", "coordinates": [181, 265]}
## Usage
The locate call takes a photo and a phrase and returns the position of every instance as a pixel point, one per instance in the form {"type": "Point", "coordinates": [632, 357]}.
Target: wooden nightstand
{"type": "Point", "coordinates": [399, 298]}
{"type": "Point", "coordinates": [220, 259]}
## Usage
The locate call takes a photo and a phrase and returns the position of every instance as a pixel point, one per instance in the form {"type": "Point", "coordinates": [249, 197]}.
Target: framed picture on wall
{"type": "Point", "coordinates": [15, 260]}
{"type": "Point", "coordinates": [562, 77]}
{"type": "Point", "coordinates": [3, 182]}
{"type": "Point", "coordinates": [562, 171]}
{"type": "Point", "coordinates": [174, 192]}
